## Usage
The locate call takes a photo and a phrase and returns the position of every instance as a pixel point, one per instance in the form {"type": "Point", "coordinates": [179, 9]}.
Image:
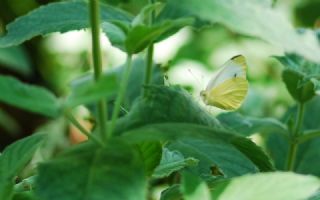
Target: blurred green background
{"type": "Point", "coordinates": [189, 57]}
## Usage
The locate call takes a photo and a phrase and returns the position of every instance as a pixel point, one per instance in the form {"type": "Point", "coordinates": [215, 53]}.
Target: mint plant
{"type": "Point", "coordinates": [149, 136]}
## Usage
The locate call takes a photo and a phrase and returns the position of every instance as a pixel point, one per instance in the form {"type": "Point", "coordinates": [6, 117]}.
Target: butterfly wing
{"type": "Point", "coordinates": [228, 95]}
{"type": "Point", "coordinates": [229, 88]}
{"type": "Point", "coordinates": [235, 67]}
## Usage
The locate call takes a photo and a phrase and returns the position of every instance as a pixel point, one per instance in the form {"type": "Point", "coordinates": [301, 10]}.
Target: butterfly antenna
{"type": "Point", "coordinates": [194, 76]}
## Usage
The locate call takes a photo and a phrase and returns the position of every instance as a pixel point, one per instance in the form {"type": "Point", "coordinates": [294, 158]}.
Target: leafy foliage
{"type": "Point", "coordinates": [257, 19]}
{"type": "Point", "coordinates": [13, 159]}
{"type": "Point", "coordinates": [270, 186]}
{"type": "Point", "coordinates": [32, 98]}
{"type": "Point", "coordinates": [97, 171]}
{"type": "Point", "coordinates": [162, 137]}
{"type": "Point", "coordinates": [56, 17]}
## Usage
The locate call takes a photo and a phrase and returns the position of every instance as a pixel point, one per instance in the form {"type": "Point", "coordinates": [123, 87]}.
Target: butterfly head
{"type": "Point", "coordinates": [204, 95]}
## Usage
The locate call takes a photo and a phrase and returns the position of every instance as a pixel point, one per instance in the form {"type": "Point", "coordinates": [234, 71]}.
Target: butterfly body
{"type": "Point", "coordinates": [229, 88]}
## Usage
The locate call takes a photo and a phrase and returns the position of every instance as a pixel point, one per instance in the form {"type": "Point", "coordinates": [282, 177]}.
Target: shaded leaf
{"type": "Point", "coordinates": [193, 188]}
{"type": "Point", "coordinates": [28, 97]}
{"type": "Point", "coordinates": [275, 186]}
{"type": "Point", "coordinates": [92, 91]}
{"type": "Point", "coordinates": [247, 126]}
{"type": "Point", "coordinates": [211, 146]}
{"type": "Point", "coordinates": [308, 152]}
{"type": "Point", "coordinates": [151, 153]}
{"type": "Point", "coordinates": [56, 17]}
{"type": "Point", "coordinates": [13, 159]}
{"type": "Point", "coordinates": [172, 161]}
{"type": "Point", "coordinates": [165, 104]}
{"type": "Point", "coordinates": [90, 172]}
{"type": "Point", "coordinates": [16, 59]}
{"type": "Point", "coordinates": [171, 193]}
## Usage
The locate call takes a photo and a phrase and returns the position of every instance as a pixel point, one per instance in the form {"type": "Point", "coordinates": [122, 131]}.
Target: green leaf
{"type": "Point", "coordinates": [254, 18]}
{"type": "Point", "coordinates": [9, 124]}
{"type": "Point", "coordinates": [266, 186]}
{"type": "Point", "coordinates": [28, 97]}
{"type": "Point", "coordinates": [165, 104]}
{"type": "Point", "coordinates": [16, 59]}
{"type": "Point", "coordinates": [193, 188]}
{"type": "Point", "coordinates": [89, 172]}
{"type": "Point", "coordinates": [301, 92]}
{"type": "Point", "coordinates": [308, 152]}
{"type": "Point", "coordinates": [92, 91]}
{"type": "Point", "coordinates": [302, 77]}
{"type": "Point", "coordinates": [13, 159]}
{"type": "Point", "coordinates": [172, 161]}
{"type": "Point", "coordinates": [143, 16]}
{"type": "Point", "coordinates": [247, 126]}
{"type": "Point", "coordinates": [138, 37]}
{"type": "Point", "coordinates": [171, 193]}
{"type": "Point", "coordinates": [136, 80]}
{"type": "Point", "coordinates": [56, 17]}
{"type": "Point", "coordinates": [29, 195]}
{"type": "Point", "coordinates": [211, 146]}
{"type": "Point", "coordinates": [151, 153]}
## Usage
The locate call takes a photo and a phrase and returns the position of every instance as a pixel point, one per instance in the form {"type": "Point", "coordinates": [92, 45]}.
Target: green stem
{"type": "Point", "coordinates": [150, 50]}
{"type": "Point", "coordinates": [121, 93]}
{"type": "Point", "coordinates": [308, 135]}
{"type": "Point", "coordinates": [97, 63]}
{"type": "Point", "coordinates": [292, 153]}
{"type": "Point", "coordinates": [73, 120]}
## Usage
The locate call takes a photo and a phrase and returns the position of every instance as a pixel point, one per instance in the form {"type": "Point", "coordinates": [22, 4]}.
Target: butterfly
{"type": "Point", "coordinates": [229, 87]}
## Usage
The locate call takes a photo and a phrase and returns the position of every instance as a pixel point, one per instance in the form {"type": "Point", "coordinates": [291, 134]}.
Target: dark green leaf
{"type": "Point", "coordinates": [56, 17]}
{"type": "Point", "coordinates": [301, 76]}
{"type": "Point", "coordinates": [301, 92]}
{"type": "Point", "coordinates": [32, 98]}
{"type": "Point", "coordinates": [88, 172]}
{"type": "Point", "coordinates": [92, 91]}
{"type": "Point", "coordinates": [211, 146]}
{"type": "Point", "coordinates": [144, 14]}
{"type": "Point", "coordinates": [13, 159]}
{"type": "Point", "coordinates": [151, 155]}
{"type": "Point", "coordinates": [138, 37]}
{"type": "Point", "coordinates": [165, 104]}
{"type": "Point", "coordinates": [193, 188]}
{"type": "Point", "coordinates": [254, 18]}
{"type": "Point", "coordinates": [29, 195]}
{"type": "Point", "coordinates": [171, 193]}
{"type": "Point", "coordinates": [9, 124]}
{"type": "Point", "coordinates": [247, 126]}
{"type": "Point", "coordinates": [172, 161]}
{"type": "Point", "coordinates": [308, 152]}
{"type": "Point", "coordinates": [16, 59]}
{"type": "Point", "coordinates": [266, 186]}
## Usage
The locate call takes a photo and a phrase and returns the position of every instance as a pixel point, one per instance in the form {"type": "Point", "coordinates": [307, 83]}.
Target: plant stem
{"type": "Point", "coordinates": [292, 154]}
{"type": "Point", "coordinates": [73, 120]}
{"type": "Point", "coordinates": [308, 135]}
{"type": "Point", "coordinates": [150, 50]}
{"type": "Point", "coordinates": [97, 63]}
{"type": "Point", "coordinates": [121, 93]}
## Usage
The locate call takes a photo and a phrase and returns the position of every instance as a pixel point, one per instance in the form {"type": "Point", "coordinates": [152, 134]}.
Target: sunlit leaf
{"type": "Point", "coordinates": [275, 186]}
{"type": "Point", "coordinates": [254, 18]}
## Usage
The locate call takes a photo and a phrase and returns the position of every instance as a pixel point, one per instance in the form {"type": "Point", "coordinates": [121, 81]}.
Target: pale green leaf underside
{"type": "Point", "coordinates": [254, 18]}
{"type": "Point", "coordinates": [275, 186]}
